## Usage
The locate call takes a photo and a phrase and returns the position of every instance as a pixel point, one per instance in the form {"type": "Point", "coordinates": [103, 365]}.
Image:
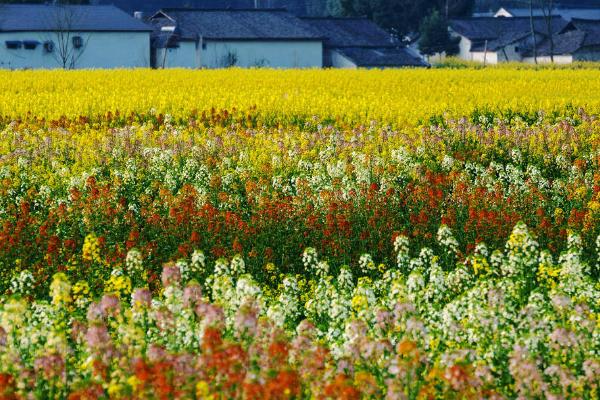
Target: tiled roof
{"type": "Point", "coordinates": [150, 6]}
{"type": "Point", "coordinates": [566, 13]}
{"type": "Point", "coordinates": [565, 43]}
{"type": "Point", "coordinates": [585, 33]}
{"type": "Point", "coordinates": [592, 29]}
{"type": "Point", "coordinates": [491, 28]}
{"type": "Point", "coordinates": [350, 32]}
{"type": "Point", "coordinates": [250, 24]}
{"type": "Point", "coordinates": [40, 17]}
{"type": "Point", "coordinates": [502, 41]}
{"type": "Point", "coordinates": [382, 57]}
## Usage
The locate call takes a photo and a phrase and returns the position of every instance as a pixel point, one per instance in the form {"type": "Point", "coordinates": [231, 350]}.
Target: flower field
{"type": "Point", "coordinates": [300, 234]}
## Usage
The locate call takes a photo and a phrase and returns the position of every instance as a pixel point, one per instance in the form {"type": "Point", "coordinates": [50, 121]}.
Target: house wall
{"type": "Point", "coordinates": [490, 57]}
{"type": "Point", "coordinates": [102, 50]}
{"type": "Point", "coordinates": [558, 59]}
{"type": "Point", "coordinates": [274, 54]}
{"type": "Point", "coordinates": [464, 49]}
{"type": "Point", "coordinates": [509, 53]}
{"type": "Point", "coordinates": [502, 12]}
{"type": "Point", "coordinates": [338, 60]}
{"type": "Point", "coordinates": [187, 55]}
{"type": "Point", "coordinates": [590, 53]}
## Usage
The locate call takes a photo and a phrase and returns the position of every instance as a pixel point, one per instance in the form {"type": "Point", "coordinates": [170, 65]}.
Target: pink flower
{"type": "Point", "coordinates": [246, 319]}
{"type": "Point", "coordinates": [156, 353]}
{"type": "Point", "coordinates": [51, 366]}
{"type": "Point", "coordinates": [192, 295]}
{"type": "Point", "coordinates": [97, 337]}
{"type": "Point", "coordinates": [142, 298]}
{"type": "Point", "coordinates": [211, 314]}
{"type": "Point", "coordinates": [95, 313]}
{"type": "Point", "coordinates": [110, 304]}
{"type": "Point", "coordinates": [171, 275]}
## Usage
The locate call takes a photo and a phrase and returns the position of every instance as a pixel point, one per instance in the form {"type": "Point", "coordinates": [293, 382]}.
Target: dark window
{"type": "Point", "coordinates": [13, 44]}
{"type": "Point", "coordinates": [49, 46]}
{"type": "Point", "coordinates": [30, 44]}
{"type": "Point", "coordinates": [77, 42]}
{"type": "Point", "coordinates": [203, 45]}
{"type": "Point", "coordinates": [516, 49]}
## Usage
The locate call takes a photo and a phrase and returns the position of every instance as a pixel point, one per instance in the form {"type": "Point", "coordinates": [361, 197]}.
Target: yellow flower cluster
{"type": "Point", "coordinates": [480, 265]}
{"type": "Point", "coordinates": [548, 275]}
{"type": "Point", "coordinates": [81, 289]}
{"type": "Point", "coordinates": [60, 290]}
{"type": "Point", "coordinates": [91, 249]}
{"type": "Point", "coordinates": [119, 285]}
{"type": "Point", "coordinates": [393, 96]}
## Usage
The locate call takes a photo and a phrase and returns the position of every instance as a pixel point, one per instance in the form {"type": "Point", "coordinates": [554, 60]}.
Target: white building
{"type": "Point", "coordinates": [568, 13]}
{"type": "Point", "coordinates": [62, 36]}
{"type": "Point", "coordinates": [492, 40]}
{"type": "Point", "coordinates": [196, 38]}
{"type": "Point", "coordinates": [580, 42]}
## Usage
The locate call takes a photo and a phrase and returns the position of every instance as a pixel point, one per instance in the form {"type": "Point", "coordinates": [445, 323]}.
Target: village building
{"type": "Point", "coordinates": [581, 42]}
{"type": "Point", "coordinates": [492, 40]}
{"type": "Point", "coordinates": [360, 43]}
{"type": "Point", "coordinates": [567, 13]}
{"type": "Point", "coordinates": [220, 38]}
{"type": "Point", "coordinates": [70, 36]}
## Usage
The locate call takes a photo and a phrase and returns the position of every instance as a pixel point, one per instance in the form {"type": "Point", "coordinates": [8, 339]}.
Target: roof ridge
{"type": "Point", "coordinates": [491, 18]}
{"type": "Point", "coordinates": [229, 9]}
{"type": "Point", "coordinates": [586, 19]}
{"type": "Point", "coordinates": [335, 18]}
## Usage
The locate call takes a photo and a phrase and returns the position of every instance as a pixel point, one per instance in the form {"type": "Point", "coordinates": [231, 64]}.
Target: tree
{"type": "Point", "coordinates": [316, 7]}
{"type": "Point", "coordinates": [455, 8]}
{"type": "Point", "coordinates": [399, 16]}
{"type": "Point", "coordinates": [334, 7]}
{"type": "Point", "coordinates": [435, 37]}
{"type": "Point", "coordinates": [547, 7]}
{"type": "Point", "coordinates": [69, 46]}
{"type": "Point", "coordinates": [532, 27]}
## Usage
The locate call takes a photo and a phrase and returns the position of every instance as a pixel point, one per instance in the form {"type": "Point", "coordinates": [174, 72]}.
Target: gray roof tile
{"type": "Point", "coordinates": [350, 32]}
{"type": "Point", "coordinates": [592, 29]}
{"type": "Point", "coordinates": [249, 24]}
{"type": "Point", "coordinates": [40, 17]}
{"type": "Point", "coordinates": [565, 43]}
{"type": "Point", "coordinates": [491, 28]}
{"type": "Point", "coordinates": [382, 57]}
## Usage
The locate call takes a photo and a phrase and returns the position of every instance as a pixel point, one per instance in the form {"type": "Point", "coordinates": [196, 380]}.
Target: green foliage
{"type": "Point", "coordinates": [435, 37]}
{"type": "Point", "coordinates": [399, 16]}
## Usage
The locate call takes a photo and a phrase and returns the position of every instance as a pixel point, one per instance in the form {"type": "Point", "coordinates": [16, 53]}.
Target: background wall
{"type": "Point", "coordinates": [276, 54]}
{"type": "Point", "coordinates": [103, 50]}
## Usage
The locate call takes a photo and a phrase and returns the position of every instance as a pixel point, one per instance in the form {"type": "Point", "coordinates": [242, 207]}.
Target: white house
{"type": "Point", "coordinates": [73, 37]}
{"type": "Point", "coordinates": [360, 43]}
{"type": "Point", "coordinates": [220, 38]}
{"type": "Point", "coordinates": [568, 13]}
{"type": "Point", "coordinates": [581, 42]}
{"type": "Point", "coordinates": [499, 39]}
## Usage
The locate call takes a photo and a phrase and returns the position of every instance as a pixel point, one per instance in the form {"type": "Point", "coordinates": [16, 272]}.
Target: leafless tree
{"type": "Point", "coordinates": [69, 44]}
{"type": "Point", "coordinates": [547, 7]}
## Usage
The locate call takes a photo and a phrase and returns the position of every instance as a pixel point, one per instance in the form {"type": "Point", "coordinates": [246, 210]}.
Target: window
{"type": "Point", "coordinates": [49, 46]}
{"type": "Point", "coordinates": [77, 42]}
{"type": "Point", "coordinates": [13, 44]}
{"type": "Point", "coordinates": [30, 44]}
{"type": "Point", "coordinates": [203, 45]}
